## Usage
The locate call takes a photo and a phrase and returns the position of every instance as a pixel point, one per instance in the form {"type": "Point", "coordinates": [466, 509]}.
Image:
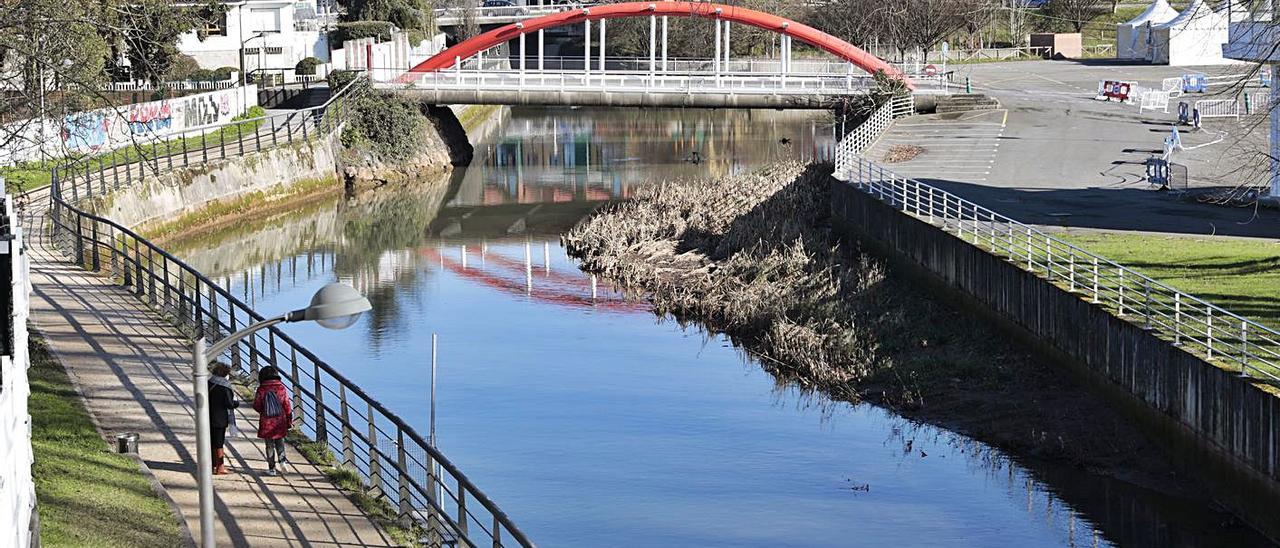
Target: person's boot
{"type": "Point", "coordinates": [219, 462]}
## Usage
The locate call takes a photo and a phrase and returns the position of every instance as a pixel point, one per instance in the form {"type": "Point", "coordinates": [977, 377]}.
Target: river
{"type": "Point", "coordinates": [593, 422]}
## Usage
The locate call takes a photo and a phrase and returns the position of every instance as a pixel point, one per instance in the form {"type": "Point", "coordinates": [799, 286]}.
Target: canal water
{"type": "Point", "coordinates": [593, 422]}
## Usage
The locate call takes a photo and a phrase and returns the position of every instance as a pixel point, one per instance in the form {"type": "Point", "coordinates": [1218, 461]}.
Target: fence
{"type": "Point", "coordinates": [1219, 335]}
{"type": "Point", "coordinates": [397, 464]}
{"type": "Point", "coordinates": [866, 134]}
{"type": "Point", "coordinates": [186, 85]}
{"type": "Point", "coordinates": [1218, 108]}
{"type": "Point", "coordinates": [17, 493]}
{"type": "Point", "coordinates": [1154, 100]}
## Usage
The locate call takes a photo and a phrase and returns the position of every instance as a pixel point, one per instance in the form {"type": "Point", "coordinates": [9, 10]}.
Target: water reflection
{"type": "Point", "coordinates": [595, 425]}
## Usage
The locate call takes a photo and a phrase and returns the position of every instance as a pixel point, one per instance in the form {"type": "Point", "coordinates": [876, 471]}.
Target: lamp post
{"type": "Point", "coordinates": [334, 306]}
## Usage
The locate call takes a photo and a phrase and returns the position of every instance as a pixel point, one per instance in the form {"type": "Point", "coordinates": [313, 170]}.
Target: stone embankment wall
{"type": "Point", "coordinates": [177, 193]}
{"type": "Point", "coordinates": [1220, 426]}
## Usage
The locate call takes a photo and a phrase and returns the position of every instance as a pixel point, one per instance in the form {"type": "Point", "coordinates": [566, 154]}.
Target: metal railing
{"type": "Point", "coordinates": [395, 462]}
{"type": "Point", "coordinates": [637, 82]}
{"type": "Point", "coordinates": [1220, 336]}
{"type": "Point", "coordinates": [184, 85]}
{"type": "Point", "coordinates": [870, 130]}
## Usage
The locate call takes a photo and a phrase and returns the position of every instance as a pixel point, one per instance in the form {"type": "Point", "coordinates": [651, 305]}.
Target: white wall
{"type": "Point", "coordinates": [107, 129]}
{"type": "Point", "coordinates": [17, 492]}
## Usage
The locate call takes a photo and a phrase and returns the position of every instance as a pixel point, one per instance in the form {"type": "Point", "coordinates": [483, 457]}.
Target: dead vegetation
{"type": "Point", "coordinates": [902, 153]}
{"type": "Point", "coordinates": [753, 256]}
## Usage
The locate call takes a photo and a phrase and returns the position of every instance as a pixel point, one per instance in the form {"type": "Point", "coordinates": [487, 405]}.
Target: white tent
{"type": "Point", "coordinates": [1194, 37]}
{"type": "Point", "coordinates": [1133, 36]}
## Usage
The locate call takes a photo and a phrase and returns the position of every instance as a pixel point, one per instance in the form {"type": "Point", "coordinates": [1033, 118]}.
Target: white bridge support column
{"type": "Point", "coordinates": [653, 47]}
{"type": "Point", "coordinates": [664, 44]}
{"type": "Point", "coordinates": [728, 55]}
{"type": "Point", "coordinates": [522, 58]}
{"type": "Point", "coordinates": [602, 49]}
{"type": "Point", "coordinates": [586, 52]}
{"type": "Point", "coordinates": [542, 49]}
{"type": "Point", "coordinates": [719, 45]}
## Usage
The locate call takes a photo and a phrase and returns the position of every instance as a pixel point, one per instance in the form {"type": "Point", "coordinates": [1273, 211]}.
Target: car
{"type": "Point", "coordinates": [498, 4]}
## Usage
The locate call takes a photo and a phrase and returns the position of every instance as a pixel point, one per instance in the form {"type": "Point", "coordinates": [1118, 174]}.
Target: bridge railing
{"type": "Point", "coordinates": [1219, 335]}
{"type": "Point", "coordinates": [636, 81]}
{"type": "Point", "coordinates": [392, 459]}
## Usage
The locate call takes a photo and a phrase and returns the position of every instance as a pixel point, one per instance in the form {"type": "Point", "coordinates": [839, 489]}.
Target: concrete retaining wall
{"type": "Point", "coordinates": [1218, 426]}
{"type": "Point", "coordinates": [169, 195]}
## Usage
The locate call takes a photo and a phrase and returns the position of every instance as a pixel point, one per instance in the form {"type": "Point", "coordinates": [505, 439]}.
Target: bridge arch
{"type": "Point", "coordinates": [773, 23]}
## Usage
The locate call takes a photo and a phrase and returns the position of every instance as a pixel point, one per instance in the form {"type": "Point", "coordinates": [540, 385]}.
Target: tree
{"type": "Point", "coordinates": [1078, 13]}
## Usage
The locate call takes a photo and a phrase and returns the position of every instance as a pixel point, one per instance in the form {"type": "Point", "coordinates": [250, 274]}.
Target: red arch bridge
{"type": "Point", "coordinates": [498, 66]}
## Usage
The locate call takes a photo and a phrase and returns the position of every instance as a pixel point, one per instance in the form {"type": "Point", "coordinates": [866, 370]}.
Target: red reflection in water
{"type": "Point", "coordinates": [557, 289]}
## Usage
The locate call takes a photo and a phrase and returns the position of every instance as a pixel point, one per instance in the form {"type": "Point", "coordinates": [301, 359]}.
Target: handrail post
{"type": "Point", "coordinates": [1177, 319]}
{"type": "Point", "coordinates": [1208, 322]}
{"type": "Point", "coordinates": [348, 454]}
{"type": "Point", "coordinates": [94, 252]}
{"type": "Point", "coordinates": [79, 247]}
{"type": "Point", "coordinates": [1097, 297]}
{"type": "Point", "coordinates": [1121, 271]}
{"type": "Point", "coordinates": [1146, 297]}
{"type": "Point", "coordinates": [322, 435]}
{"type": "Point", "coordinates": [375, 458]}
{"type": "Point", "coordinates": [1244, 348]}
{"type": "Point", "coordinates": [295, 378]}
{"type": "Point", "coordinates": [403, 506]}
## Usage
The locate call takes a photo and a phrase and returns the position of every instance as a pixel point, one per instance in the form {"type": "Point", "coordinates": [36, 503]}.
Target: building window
{"type": "Point", "coordinates": [250, 51]}
{"type": "Point", "coordinates": [216, 27]}
{"type": "Point", "coordinates": [273, 50]}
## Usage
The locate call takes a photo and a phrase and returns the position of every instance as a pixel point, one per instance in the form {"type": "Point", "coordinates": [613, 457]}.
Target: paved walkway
{"type": "Point", "coordinates": [134, 371]}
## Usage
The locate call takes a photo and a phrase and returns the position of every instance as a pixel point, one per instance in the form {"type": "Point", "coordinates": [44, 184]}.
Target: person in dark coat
{"type": "Point", "coordinates": [275, 416]}
{"type": "Point", "coordinates": [222, 406]}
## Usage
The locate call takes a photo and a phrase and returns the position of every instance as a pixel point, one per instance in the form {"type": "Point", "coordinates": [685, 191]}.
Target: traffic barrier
{"type": "Point", "coordinates": [1218, 108]}
{"type": "Point", "coordinates": [1154, 100]}
{"type": "Point", "coordinates": [1115, 90]}
{"type": "Point", "coordinates": [1172, 86]}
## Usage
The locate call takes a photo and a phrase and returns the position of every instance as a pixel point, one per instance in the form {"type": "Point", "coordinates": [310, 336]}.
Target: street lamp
{"type": "Point", "coordinates": [244, 78]}
{"type": "Point", "coordinates": [334, 306]}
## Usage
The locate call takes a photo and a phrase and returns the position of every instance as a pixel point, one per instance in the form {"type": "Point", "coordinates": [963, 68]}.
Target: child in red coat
{"type": "Point", "coordinates": [275, 416]}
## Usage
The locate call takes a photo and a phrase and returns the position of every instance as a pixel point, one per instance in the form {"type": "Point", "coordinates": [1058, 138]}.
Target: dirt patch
{"type": "Point", "coordinates": [753, 256]}
{"type": "Point", "coordinates": [902, 153]}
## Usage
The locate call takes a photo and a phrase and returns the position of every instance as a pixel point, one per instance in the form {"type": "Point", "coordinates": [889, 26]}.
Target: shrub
{"type": "Point", "coordinates": [355, 30]}
{"type": "Point", "coordinates": [182, 68]}
{"type": "Point", "coordinates": [340, 78]}
{"type": "Point", "coordinates": [224, 73]}
{"type": "Point", "coordinates": [307, 66]}
{"type": "Point", "coordinates": [392, 127]}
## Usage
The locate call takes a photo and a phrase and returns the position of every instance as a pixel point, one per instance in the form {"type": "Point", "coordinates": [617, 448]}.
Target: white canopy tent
{"type": "Point", "coordinates": [1133, 37]}
{"type": "Point", "coordinates": [1194, 37]}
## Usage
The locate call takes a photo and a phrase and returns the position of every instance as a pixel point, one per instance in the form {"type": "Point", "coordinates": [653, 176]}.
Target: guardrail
{"type": "Point", "coordinates": [396, 463]}
{"type": "Point", "coordinates": [1219, 335]}
{"type": "Point", "coordinates": [865, 135]}
{"type": "Point", "coordinates": [1218, 108]}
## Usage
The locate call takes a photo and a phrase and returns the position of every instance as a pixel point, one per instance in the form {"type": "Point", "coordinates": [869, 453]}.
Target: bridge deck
{"type": "Point", "coordinates": [133, 369]}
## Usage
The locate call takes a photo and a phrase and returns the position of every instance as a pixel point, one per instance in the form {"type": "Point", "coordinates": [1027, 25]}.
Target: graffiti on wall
{"type": "Point", "coordinates": [107, 129]}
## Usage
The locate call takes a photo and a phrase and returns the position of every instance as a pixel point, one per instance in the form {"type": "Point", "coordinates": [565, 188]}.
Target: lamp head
{"type": "Point", "coordinates": [334, 306]}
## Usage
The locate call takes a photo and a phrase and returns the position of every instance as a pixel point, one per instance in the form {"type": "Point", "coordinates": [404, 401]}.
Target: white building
{"type": "Point", "coordinates": [272, 33]}
{"type": "Point", "coordinates": [1253, 37]}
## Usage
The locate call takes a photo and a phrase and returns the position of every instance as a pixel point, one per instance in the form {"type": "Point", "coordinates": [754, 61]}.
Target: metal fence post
{"type": "Point", "coordinates": [375, 459]}
{"type": "Point", "coordinates": [1071, 269]}
{"type": "Point", "coordinates": [1208, 322]}
{"type": "Point", "coordinates": [1146, 297]}
{"type": "Point", "coordinates": [1030, 264]}
{"type": "Point", "coordinates": [1097, 297]}
{"type": "Point", "coordinates": [348, 455]}
{"type": "Point", "coordinates": [293, 376]}
{"type": "Point", "coordinates": [1177, 319]}
{"type": "Point", "coordinates": [1121, 271]}
{"type": "Point", "coordinates": [402, 475]}
{"type": "Point", "coordinates": [79, 247]}
{"type": "Point", "coordinates": [94, 253]}
{"type": "Point", "coordinates": [1244, 348]}
{"type": "Point", "coordinates": [321, 430]}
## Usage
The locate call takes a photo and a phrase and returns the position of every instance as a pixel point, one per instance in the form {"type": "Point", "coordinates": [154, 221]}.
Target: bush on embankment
{"type": "Point", "coordinates": [753, 256]}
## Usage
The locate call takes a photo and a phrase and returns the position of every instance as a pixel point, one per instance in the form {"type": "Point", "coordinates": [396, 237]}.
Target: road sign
{"type": "Point", "coordinates": [930, 70]}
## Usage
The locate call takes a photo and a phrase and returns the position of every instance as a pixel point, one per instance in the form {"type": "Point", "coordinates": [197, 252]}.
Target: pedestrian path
{"type": "Point", "coordinates": [133, 369]}
{"type": "Point", "coordinates": [958, 147]}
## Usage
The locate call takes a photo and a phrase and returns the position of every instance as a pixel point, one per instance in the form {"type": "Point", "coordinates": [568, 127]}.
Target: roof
{"type": "Point", "coordinates": [1158, 12]}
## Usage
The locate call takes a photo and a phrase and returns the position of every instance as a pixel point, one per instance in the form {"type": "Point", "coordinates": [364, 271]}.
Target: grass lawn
{"type": "Point", "coordinates": [1242, 276]}
{"type": "Point", "coordinates": [88, 496]}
